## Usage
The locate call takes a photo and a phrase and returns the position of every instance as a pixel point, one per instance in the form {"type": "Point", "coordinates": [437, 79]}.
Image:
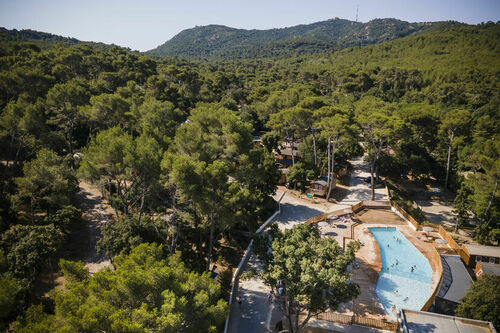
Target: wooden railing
{"type": "Point", "coordinates": [436, 258]}
{"type": "Point", "coordinates": [357, 206]}
{"type": "Point", "coordinates": [405, 214]}
{"type": "Point", "coordinates": [340, 212]}
{"type": "Point", "coordinates": [451, 242]}
{"type": "Point", "coordinates": [460, 249]}
{"type": "Point", "coordinates": [358, 320]}
{"type": "Point", "coordinates": [465, 255]}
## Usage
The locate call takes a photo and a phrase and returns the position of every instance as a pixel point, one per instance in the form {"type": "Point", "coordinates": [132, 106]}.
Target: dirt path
{"type": "Point", "coordinates": [96, 214]}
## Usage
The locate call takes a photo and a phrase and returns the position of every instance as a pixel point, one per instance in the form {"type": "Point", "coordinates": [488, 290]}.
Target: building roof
{"type": "Point", "coordinates": [483, 250]}
{"type": "Point", "coordinates": [284, 161]}
{"type": "Point", "coordinates": [456, 279]}
{"type": "Point", "coordinates": [320, 182]}
{"type": "Point", "coordinates": [491, 268]}
{"type": "Point", "coordinates": [428, 322]}
{"type": "Point", "coordinates": [288, 152]}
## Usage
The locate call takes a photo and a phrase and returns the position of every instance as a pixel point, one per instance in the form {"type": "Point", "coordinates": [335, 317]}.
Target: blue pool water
{"type": "Point", "coordinates": [415, 285]}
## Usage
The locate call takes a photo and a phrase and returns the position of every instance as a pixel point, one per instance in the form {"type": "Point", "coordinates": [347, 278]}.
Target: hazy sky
{"type": "Point", "coordinates": [145, 24]}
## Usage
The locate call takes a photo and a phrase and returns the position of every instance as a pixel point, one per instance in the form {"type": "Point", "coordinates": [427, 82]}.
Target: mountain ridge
{"type": "Point", "coordinates": [46, 39]}
{"type": "Point", "coordinates": [219, 41]}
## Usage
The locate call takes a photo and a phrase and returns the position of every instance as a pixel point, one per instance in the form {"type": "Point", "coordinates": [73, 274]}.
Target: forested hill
{"type": "Point", "coordinates": [46, 40]}
{"type": "Point", "coordinates": [218, 41]}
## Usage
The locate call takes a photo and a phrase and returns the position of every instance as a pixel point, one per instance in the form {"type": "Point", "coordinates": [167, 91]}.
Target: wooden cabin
{"type": "Point", "coordinates": [320, 185]}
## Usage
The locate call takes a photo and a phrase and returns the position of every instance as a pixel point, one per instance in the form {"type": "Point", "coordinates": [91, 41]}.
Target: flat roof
{"type": "Point", "coordinates": [428, 322]}
{"type": "Point", "coordinates": [456, 279]}
{"type": "Point", "coordinates": [483, 250]}
{"type": "Point", "coordinates": [491, 268]}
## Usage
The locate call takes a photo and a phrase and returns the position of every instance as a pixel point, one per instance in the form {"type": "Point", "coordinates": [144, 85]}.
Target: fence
{"type": "Point", "coordinates": [436, 258]}
{"type": "Point", "coordinates": [358, 320]}
{"type": "Point", "coordinates": [460, 249]}
{"type": "Point", "coordinates": [323, 217]}
{"type": "Point", "coordinates": [236, 276]}
{"type": "Point", "coordinates": [402, 213]}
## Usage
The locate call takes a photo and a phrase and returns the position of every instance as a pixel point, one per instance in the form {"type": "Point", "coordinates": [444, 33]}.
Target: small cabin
{"type": "Point", "coordinates": [483, 254]}
{"type": "Point", "coordinates": [320, 185]}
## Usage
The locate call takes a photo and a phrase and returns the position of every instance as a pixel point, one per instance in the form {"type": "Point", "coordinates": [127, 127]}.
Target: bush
{"type": "Point", "coordinates": [249, 274]}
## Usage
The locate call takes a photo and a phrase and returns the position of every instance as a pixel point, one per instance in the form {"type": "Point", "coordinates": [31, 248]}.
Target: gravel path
{"type": "Point", "coordinates": [96, 214]}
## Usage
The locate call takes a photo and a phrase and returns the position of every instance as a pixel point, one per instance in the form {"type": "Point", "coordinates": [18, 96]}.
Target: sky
{"type": "Point", "coordinates": [144, 24]}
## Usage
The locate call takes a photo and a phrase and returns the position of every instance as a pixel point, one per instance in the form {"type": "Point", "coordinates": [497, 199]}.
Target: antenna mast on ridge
{"type": "Point", "coordinates": [357, 9]}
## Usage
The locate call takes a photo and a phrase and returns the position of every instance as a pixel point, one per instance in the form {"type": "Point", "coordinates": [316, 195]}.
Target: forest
{"type": "Point", "coordinates": [221, 42]}
{"type": "Point", "coordinates": [168, 142]}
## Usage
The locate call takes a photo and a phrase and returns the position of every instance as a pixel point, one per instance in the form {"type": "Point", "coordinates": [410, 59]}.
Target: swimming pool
{"type": "Point", "coordinates": [398, 256]}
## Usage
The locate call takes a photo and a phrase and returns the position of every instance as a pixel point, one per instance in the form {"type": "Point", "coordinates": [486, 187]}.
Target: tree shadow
{"type": "Point", "coordinates": [292, 214]}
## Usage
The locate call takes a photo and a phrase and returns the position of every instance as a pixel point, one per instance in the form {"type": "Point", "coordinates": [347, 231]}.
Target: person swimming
{"type": "Point", "coordinates": [412, 269]}
{"type": "Point", "coordinates": [396, 291]}
{"type": "Point", "coordinates": [406, 298]}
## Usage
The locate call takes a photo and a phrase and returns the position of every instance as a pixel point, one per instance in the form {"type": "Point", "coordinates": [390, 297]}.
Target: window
{"type": "Point", "coordinates": [492, 260]}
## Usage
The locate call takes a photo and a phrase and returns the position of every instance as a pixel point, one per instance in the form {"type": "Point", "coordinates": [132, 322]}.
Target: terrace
{"type": "Point", "coordinates": [348, 225]}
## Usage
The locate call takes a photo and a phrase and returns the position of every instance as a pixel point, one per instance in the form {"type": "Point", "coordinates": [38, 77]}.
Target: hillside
{"type": "Point", "coordinates": [218, 41]}
{"type": "Point", "coordinates": [46, 40]}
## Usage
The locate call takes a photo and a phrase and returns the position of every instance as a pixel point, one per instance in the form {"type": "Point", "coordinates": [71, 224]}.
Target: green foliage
{"type": "Point", "coordinates": [47, 185]}
{"type": "Point", "coordinates": [216, 41]}
{"type": "Point", "coordinates": [482, 300]}
{"type": "Point", "coordinates": [147, 292]}
{"type": "Point", "coordinates": [128, 232]}
{"type": "Point", "coordinates": [169, 141]}
{"type": "Point", "coordinates": [64, 217]}
{"type": "Point", "coordinates": [74, 271]}
{"type": "Point", "coordinates": [29, 248]}
{"type": "Point", "coordinates": [9, 289]}
{"type": "Point", "coordinates": [271, 141]}
{"type": "Point", "coordinates": [249, 274]}
{"type": "Point", "coordinates": [298, 176]}
{"type": "Point", "coordinates": [312, 272]}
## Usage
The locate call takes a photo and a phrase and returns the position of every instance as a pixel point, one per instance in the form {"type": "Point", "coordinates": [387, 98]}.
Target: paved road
{"type": "Point", "coordinates": [438, 212]}
{"type": "Point", "coordinates": [256, 314]}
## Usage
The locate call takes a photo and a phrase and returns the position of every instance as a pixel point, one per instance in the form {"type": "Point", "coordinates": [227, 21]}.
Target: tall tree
{"type": "Point", "coordinates": [307, 273]}
{"type": "Point", "coordinates": [482, 300]}
{"type": "Point", "coordinates": [109, 159]}
{"type": "Point", "coordinates": [209, 188]}
{"type": "Point", "coordinates": [454, 126]}
{"type": "Point", "coordinates": [148, 292]}
{"type": "Point", "coordinates": [47, 185]}
{"type": "Point", "coordinates": [21, 124]}
{"type": "Point", "coordinates": [377, 129]}
{"type": "Point", "coordinates": [62, 101]}
{"type": "Point", "coordinates": [338, 130]}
